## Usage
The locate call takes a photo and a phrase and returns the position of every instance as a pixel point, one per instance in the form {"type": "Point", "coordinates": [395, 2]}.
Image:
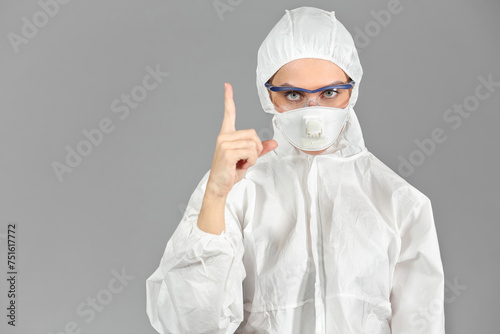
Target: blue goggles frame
{"type": "Point", "coordinates": [348, 85]}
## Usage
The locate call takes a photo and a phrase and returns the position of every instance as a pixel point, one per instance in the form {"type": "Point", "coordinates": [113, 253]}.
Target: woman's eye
{"type": "Point", "coordinates": [292, 96]}
{"type": "Point", "coordinates": [330, 93]}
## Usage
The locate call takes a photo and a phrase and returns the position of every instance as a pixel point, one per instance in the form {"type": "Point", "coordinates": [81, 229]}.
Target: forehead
{"type": "Point", "coordinates": [309, 73]}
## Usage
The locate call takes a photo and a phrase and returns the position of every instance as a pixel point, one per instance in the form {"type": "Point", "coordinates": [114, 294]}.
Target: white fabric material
{"type": "Point", "coordinates": [335, 243]}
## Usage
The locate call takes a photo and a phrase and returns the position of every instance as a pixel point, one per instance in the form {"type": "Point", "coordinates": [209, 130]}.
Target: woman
{"type": "Point", "coordinates": [308, 232]}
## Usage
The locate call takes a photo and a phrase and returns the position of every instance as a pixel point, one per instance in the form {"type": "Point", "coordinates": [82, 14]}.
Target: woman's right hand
{"type": "Point", "coordinates": [235, 151]}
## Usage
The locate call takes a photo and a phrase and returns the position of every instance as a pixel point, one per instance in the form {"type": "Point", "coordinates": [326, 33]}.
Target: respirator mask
{"type": "Point", "coordinates": [312, 128]}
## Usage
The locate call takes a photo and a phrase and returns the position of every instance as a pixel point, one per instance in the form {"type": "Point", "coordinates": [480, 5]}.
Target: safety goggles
{"type": "Point", "coordinates": [290, 98]}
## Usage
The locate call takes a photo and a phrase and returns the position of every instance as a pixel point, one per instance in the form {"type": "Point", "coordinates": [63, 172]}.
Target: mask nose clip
{"type": "Point", "coordinates": [313, 126]}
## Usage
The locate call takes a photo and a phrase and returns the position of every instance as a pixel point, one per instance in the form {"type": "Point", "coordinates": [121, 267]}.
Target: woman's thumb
{"type": "Point", "coordinates": [268, 146]}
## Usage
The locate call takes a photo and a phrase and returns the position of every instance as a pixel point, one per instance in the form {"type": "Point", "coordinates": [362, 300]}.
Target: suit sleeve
{"type": "Point", "coordinates": [417, 295]}
{"type": "Point", "coordinates": [197, 287]}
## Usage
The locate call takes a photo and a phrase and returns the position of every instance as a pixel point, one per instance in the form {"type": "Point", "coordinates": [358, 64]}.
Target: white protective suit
{"type": "Point", "coordinates": [334, 243]}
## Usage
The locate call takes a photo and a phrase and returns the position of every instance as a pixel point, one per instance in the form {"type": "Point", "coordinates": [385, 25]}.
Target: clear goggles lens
{"type": "Point", "coordinates": [295, 99]}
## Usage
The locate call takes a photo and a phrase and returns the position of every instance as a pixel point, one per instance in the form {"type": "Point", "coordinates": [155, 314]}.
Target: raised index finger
{"type": "Point", "coordinates": [228, 123]}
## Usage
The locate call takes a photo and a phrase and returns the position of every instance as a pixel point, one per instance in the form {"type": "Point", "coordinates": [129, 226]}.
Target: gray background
{"type": "Point", "coordinates": [119, 207]}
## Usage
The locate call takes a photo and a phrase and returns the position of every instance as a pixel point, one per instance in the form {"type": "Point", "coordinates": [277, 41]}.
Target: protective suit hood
{"type": "Point", "coordinates": [308, 32]}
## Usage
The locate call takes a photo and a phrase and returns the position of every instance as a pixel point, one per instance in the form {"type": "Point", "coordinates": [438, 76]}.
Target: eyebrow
{"type": "Point", "coordinates": [286, 84]}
